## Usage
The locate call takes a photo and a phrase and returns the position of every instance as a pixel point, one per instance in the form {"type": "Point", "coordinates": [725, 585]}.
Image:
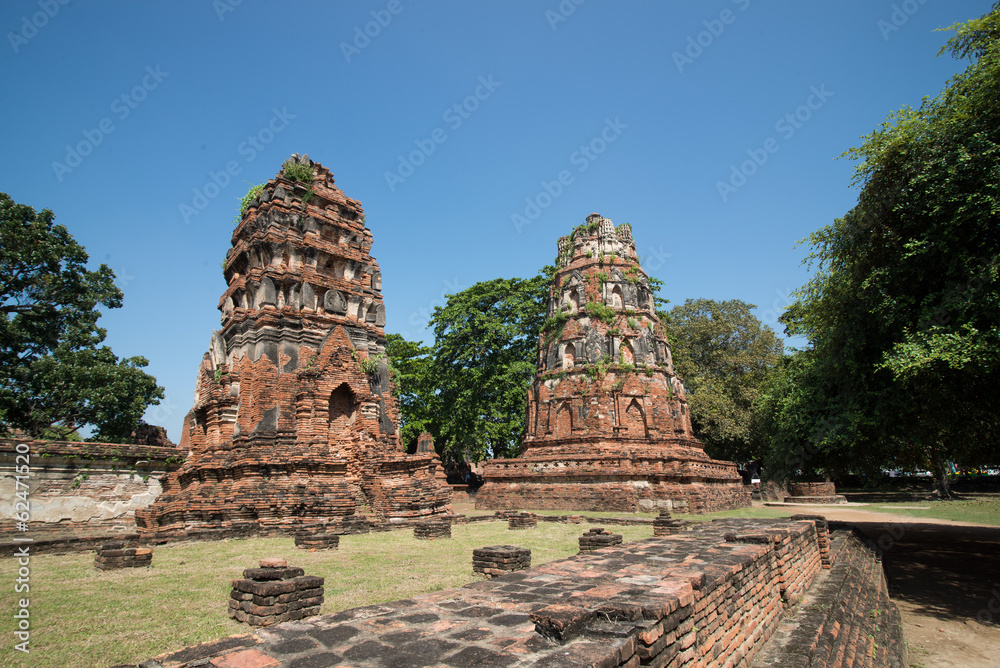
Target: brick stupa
{"type": "Point", "coordinates": [608, 426]}
{"type": "Point", "coordinates": [294, 423]}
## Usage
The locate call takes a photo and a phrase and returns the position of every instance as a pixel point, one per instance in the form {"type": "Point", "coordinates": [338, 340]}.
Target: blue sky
{"type": "Point", "coordinates": [474, 134]}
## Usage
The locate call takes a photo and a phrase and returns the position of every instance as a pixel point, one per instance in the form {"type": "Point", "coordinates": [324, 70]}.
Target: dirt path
{"type": "Point", "coordinates": [945, 578]}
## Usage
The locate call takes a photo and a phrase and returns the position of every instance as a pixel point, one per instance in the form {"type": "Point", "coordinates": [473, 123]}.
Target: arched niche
{"type": "Point", "coordinates": [569, 356]}
{"type": "Point", "coordinates": [343, 410]}
{"type": "Point", "coordinates": [626, 353]}
{"type": "Point", "coordinates": [564, 419]}
{"type": "Point", "coordinates": [615, 299]}
{"type": "Point", "coordinates": [635, 420]}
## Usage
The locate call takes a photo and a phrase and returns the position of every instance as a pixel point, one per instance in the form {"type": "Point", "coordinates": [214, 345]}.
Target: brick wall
{"type": "Point", "coordinates": [76, 486]}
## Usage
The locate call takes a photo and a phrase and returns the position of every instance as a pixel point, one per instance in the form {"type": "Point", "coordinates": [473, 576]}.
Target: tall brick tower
{"type": "Point", "coordinates": [608, 426]}
{"type": "Point", "coordinates": [293, 423]}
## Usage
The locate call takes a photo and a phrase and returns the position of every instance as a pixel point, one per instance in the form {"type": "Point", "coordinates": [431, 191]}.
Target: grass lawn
{"type": "Point", "coordinates": [84, 617]}
{"type": "Point", "coordinates": [976, 509]}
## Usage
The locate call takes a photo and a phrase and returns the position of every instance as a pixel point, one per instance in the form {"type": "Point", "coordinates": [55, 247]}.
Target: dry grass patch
{"type": "Point", "coordinates": [84, 617]}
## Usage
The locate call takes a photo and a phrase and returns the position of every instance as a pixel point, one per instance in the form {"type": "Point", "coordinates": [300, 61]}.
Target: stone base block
{"type": "Point", "coordinates": [317, 541]}
{"type": "Point", "coordinates": [595, 539]}
{"type": "Point", "coordinates": [664, 525]}
{"type": "Point", "coordinates": [118, 554]}
{"type": "Point", "coordinates": [275, 593]}
{"type": "Point", "coordinates": [432, 530]}
{"type": "Point", "coordinates": [522, 521]}
{"type": "Point", "coordinates": [836, 498]}
{"type": "Point", "coordinates": [497, 560]}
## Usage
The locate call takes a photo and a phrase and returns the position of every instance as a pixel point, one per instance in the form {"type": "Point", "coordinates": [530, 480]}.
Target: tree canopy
{"type": "Point", "coordinates": [724, 354]}
{"type": "Point", "coordinates": [903, 314]}
{"type": "Point", "coordinates": [419, 404]}
{"type": "Point", "coordinates": [484, 353]}
{"type": "Point", "coordinates": [55, 377]}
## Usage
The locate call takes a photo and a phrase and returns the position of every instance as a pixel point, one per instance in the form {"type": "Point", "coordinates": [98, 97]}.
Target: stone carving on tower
{"type": "Point", "coordinates": [294, 421]}
{"type": "Point", "coordinates": [608, 425]}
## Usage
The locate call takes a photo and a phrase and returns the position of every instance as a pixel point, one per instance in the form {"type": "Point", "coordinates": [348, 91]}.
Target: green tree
{"type": "Point", "coordinates": [903, 314]}
{"type": "Point", "coordinates": [724, 354]}
{"type": "Point", "coordinates": [419, 406]}
{"type": "Point", "coordinates": [54, 375]}
{"type": "Point", "coordinates": [484, 357]}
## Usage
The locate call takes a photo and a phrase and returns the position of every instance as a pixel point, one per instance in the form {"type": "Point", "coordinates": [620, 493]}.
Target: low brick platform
{"type": "Point", "coordinates": [317, 541]}
{"type": "Point", "coordinates": [664, 525]}
{"type": "Point", "coordinates": [595, 539]}
{"type": "Point", "coordinates": [275, 593]}
{"type": "Point", "coordinates": [712, 596]}
{"type": "Point", "coordinates": [522, 521]}
{"type": "Point", "coordinates": [432, 530]}
{"type": "Point", "coordinates": [498, 560]}
{"type": "Point", "coordinates": [122, 554]}
{"type": "Point", "coordinates": [814, 493]}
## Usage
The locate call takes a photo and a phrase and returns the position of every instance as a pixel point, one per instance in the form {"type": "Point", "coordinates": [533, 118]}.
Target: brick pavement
{"type": "Point", "coordinates": [708, 597]}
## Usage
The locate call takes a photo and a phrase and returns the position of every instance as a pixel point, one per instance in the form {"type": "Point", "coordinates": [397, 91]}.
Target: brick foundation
{"type": "Point", "coordinates": [432, 530]}
{"type": "Point", "coordinates": [317, 541]}
{"type": "Point", "coordinates": [713, 596]}
{"type": "Point", "coordinates": [522, 521]}
{"type": "Point", "coordinates": [664, 525]}
{"type": "Point", "coordinates": [122, 554]}
{"type": "Point", "coordinates": [814, 492]}
{"type": "Point", "coordinates": [595, 539]}
{"type": "Point", "coordinates": [275, 593]}
{"type": "Point", "coordinates": [500, 559]}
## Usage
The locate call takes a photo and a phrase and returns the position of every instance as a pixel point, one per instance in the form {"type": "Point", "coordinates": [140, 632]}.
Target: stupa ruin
{"type": "Point", "coordinates": [294, 423]}
{"type": "Point", "coordinates": [608, 426]}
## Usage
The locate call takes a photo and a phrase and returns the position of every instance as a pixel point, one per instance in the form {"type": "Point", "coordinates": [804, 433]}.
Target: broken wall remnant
{"type": "Point", "coordinates": [294, 420]}
{"type": "Point", "coordinates": [608, 425]}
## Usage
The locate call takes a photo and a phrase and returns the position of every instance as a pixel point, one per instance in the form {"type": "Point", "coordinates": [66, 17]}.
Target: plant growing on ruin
{"type": "Point", "coordinates": [632, 323]}
{"type": "Point", "coordinates": [307, 198]}
{"type": "Point", "coordinates": [599, 369]}
{"type": "Point", "coordinates": [602, 312]}
{"type": "Point", "coordinates": [297, 172]}
{"type": "Point", "coordinates": [370, 364]}
{"type": "Point", "coordinates": [250, 195]}
{"type": "Point", "coordinates": [552, 327]}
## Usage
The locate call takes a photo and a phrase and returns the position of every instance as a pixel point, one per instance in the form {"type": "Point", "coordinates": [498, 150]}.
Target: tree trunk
{"type": "Point", "coordinates": [941, 477]}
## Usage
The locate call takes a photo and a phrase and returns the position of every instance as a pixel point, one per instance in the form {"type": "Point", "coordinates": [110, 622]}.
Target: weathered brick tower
{"type": "Point", "coordinates": [293, 424]}
{"type": "Point", "coordinates": [608, 426]}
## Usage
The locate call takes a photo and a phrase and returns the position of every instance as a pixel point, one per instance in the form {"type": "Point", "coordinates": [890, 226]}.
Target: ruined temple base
{"type": "Point", "coordinates": [628, 496]}
{"type": "Point", "coordinates": [820, 500]}
{"type": "Point", "coordinates": [736, 592]}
